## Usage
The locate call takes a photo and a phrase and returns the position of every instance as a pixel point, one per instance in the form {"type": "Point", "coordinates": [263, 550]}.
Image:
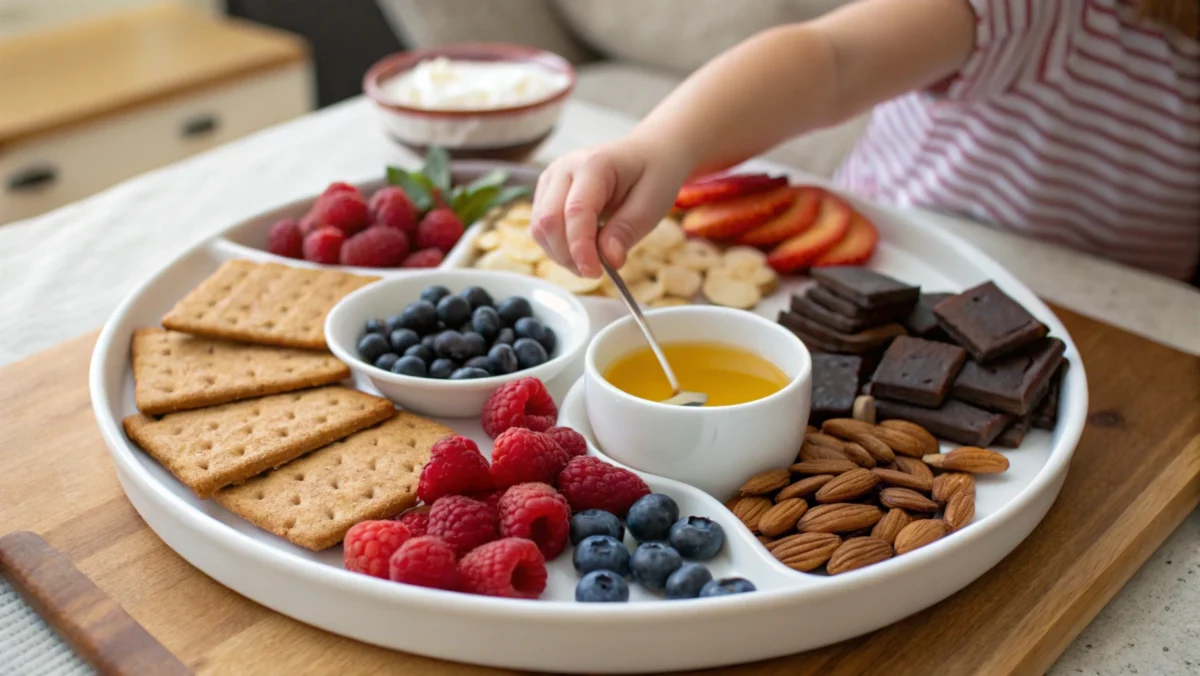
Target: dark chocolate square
{"type": "Point", "coordinates": [802, 304]}
{"type": "Point", "coordinates": [835, 303]}
{"type": "Point", "coordinates": [1014, 383]}
{"type": "Point", "coordinates": [921, 321]}
{"type": "Point", "coordinates": [1045, 414]}
{"type": "Point", "coordinates": [866, 288]}
{"type": "Point", "coordinates": [1014, 434]}
{"type": "Point", "coordinates": [835, 381]}
{"type": "Point", "coordinates": [988, 323]}
{"type": "Point", "coordinates": [917, 371]}
{"type": "Point", "coordinates": [824, 339]}
{"type": "Point", "coordinates": [954, 421]}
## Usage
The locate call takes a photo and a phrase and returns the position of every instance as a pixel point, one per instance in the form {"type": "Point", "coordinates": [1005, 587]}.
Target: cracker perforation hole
{"type": "Point", "coordinates": [407, 467]}
{"type": "Point", "coordinates": [239, 451]}
{"type": "Point", "coordinates": [339, 460]}
{"type": "Point", "coordinates": [295, 499]}
{"type": "Point", "coordinates": [251, 374]}
{"type": "Point", "coordinates": [334, 401]}
{"type": "Point", "coordinates": [289, 524]}
{"type": "Point", "coordinates": [291, 415]}
{"type": "Point", "coordinates": [166, 352]}
{"type": "Point", "coordinates": [375, 442]}
{"type": "Point", "coordinates": [329, 514]}
{"type": "Point", "coordinates": [289, 370]}
{"type": "Point", "coordinates": [213, 424]}
{"type": "Point", "coordinates": [281, 433]}
{"type": "Point", "coordinates": [203, 464]}
{"type": "Point", "coordinates": [209, 380]}
{"type": "Point", "coordinates": [260, 495]}
{"type": "Point", "coordinates": [206, 445]}
{"type": "Point", "coordinates": [210, 349]}
{"type": "Point", "coordinates": [177, 431]}
{"type": "Point", "coordinates": [369, 493]}
{"type": "Point", "coordinates": [371, 464]}
{"type": "Point", "coordinates": [298, 476]}
{"type": "Point", "coordinates": [322, 418]}
{"type": "Point", "coordinates": [334, 484]}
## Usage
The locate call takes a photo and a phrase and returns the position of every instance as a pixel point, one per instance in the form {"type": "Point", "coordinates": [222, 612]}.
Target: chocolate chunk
{"type": "Point", "coordinates": [917, 371]}
{"type": "Point", "coordinates": [835, 303]}
{"type": "Point", "coordinates": [1014, 434]}
{"type": "Point", "coordinates": [1011, 384]}
{"type": "Point", "coordinates": [835, 380]}
{"type": "Point", "coordinates": [954, 421]}
{"type": "Point", "coordinates": [988, 323]}
{"type": "Point", "coordinates": [1045, 414]}
{"type": "Point", "coordinates": [801, 304]}
{"type": "Point", "coordinates": [921, 322]}
{"type": "Point", "coordinates": [823, 339]}
{"type": "Point", "coordinates": [866, 288]}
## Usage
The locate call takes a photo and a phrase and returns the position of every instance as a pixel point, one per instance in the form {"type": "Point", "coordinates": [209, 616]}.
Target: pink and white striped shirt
{"type": "Point", "coordinates": [1071, 121]}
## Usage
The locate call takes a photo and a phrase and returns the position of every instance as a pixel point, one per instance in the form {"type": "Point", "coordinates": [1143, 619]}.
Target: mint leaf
{"type": "Point", "coordinates": [495, 177]}
{"type": "Point", "coordinates": [510, 194]}
{"type": "Point", "coordinates": [437, 169]}
{"type": "Point", "coordinates": [475, 204]}
{"type": "Point", "coordinates": [414, 185]}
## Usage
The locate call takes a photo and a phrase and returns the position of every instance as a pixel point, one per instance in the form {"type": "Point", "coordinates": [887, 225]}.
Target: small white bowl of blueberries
{"type": "Point", "coordinates": [440, 342]}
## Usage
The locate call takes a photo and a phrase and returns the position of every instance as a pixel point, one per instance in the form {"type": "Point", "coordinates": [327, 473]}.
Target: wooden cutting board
{"type": "Point", "coordinates": [1134, 478]}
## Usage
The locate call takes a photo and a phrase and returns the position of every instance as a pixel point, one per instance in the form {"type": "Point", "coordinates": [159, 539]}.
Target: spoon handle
{"type": "Point", "coordinates": [636, 311]}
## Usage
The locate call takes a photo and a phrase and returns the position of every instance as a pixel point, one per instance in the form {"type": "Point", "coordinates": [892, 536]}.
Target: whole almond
{"type": "Point", "coordinates": [946, 485]}
{"type": "Point", "coordinates": [815, 452]}
{"type": "Point", "coordinates": [842, 517]}
{"type": "Point", "coordinates": [805, 551]}
{"type": "Point", "coordinates": [890, 525]}
{"type": "Point", "coordinates": [858, 455]}
{"type": "Point", "coordinates": [844, 428]}
{"type": "Point", "coordinates": [782, 517]}
{"type": "Point", "coordinates": [914, 466]}
{"type": "Point", "coordinates": [864, 408]}
{"type": "Point", "coordinates": [858, 553]}
{"type": "Point", "coordinates": [822, 439]}
{"type": "Point", "coordinates": [970, 459]}
{"type": "Point", "coordinates": [891, 477]}
{"type": "Point", "coordinates": [750, 509]}
{"type": "Point", "coordinates": [804, 487]}
{"type": "Point", "coordinates": [927, 440]}
{"type": "Point", "coordinates": [766, 482]}
{"type": "Point", "coordinates": [823, 467]}
{"type": "Point", "coordinates": [848, 486]}
{"type": "Point", "coordinates": [906, 498]}
{"type": "Point", "coordinates": [900, 442]}
{"type": "Point", "coordinates": [766, 541]}
{"type": "Point", "coordinates": [860, 433]}
{"type": "Point", "coordinates": [960, 510]}
{"type": "Point", "coordinates": [918, 534]}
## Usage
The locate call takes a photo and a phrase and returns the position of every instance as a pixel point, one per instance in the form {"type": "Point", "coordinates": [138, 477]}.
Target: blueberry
{"type": "Point", "coordinates": [373, 346]}
{"type": "Point", "coordinates": [505, 337]}
{"type": "Point", "coordinates": [529, 327]}
{"type": "Point", "coordinates": [466, 328]}
{"type": "Point", "coordinates": [650, 518]}
{"type": "Point", "coordinates": [502, 360]}
{"type": "Point", "coordinates": [601, 552]}
{"type": "Point", "coordinates": [476, 345]}
{"type": "Point", "coordinates": [530, 353]}
{"type": "Point", "coordinates": [442, 368]}
{"type": "Point", "coordinates": [402, 339]}
{"type": "Point", "coordinates": [386, 360]}
{"type": "Point", "coordinates": [486, 322]}
{"type": "Point", "coordinates": [479, 362]}
{"type": "Point", "coordinates": [428, 340]}
{"type": "Point", "coordinates": [451, 345]}
{"type": "Point", "coordinates": [595, 522]}
{"type": "Point", "coordinates": [469, 373]}
{"type": "Point", "coordinates": [549, 340]}
{"type": "Point", "coordinates": [374, 325]}
{"type": "Point", "coordinates": [652, 563]}
{"type": "Point", "coordinates": [421, 352]}
{"type": "Point", "coordinates": [392, 323]}
{"type": "Point", "coordinates": [696, 537]}
{"type": "Point", "coordinates": [454, 310]}
{"type": "Point", "coordinates": [420, 316]}
{"type": "Point", "coordinates": [410, 366]}
{"type": "Point", "coordinates": [602, 586]}
{"type": "Point", "coordinates": [513, 308]}
{"type": "Point", "coordinates": [725, 586]}
{"type": "Point", "coordinates": [477, 297]}
{"type": "Point", "coordinates": [686, 582]}
{"type": "Point", "coordinates": [433, 294]}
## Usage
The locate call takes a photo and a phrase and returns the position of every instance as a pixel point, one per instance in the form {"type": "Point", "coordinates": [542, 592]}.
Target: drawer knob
{"type": "Point", "coordinates": [200, 125]}
{"type": "Point", "coordinates": [32, 178]}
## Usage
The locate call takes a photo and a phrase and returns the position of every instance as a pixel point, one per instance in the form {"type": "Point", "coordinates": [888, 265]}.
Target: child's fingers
{"type": "Point", "coordinates": [591, 187]}
{"type": "Point", "coordinates": [549, 229]}
{"type": "Point", "coordinates": [637, 215]}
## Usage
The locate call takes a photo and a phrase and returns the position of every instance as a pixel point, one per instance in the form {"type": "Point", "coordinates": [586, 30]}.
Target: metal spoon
{"type": "Point", "coordinates": [678, 397]}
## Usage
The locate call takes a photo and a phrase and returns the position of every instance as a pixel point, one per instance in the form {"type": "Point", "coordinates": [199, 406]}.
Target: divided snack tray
{"type": "Point", "coordinates": [790, 612]}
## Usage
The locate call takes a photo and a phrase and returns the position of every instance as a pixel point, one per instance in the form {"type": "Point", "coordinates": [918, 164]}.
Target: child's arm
{"type": "Point", "coordinates": [780, 83]}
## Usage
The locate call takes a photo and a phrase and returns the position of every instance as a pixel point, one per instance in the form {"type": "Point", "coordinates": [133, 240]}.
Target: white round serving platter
{"type": "Point", "coordinates": [790, 612]}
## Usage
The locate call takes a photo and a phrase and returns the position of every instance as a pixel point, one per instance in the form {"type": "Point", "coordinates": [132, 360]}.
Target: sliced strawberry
{"type": "Point", "coordinates": [798, 218]}
{"type": "Point", "coordinates": [800, 251]}
{"type": "Point", "coordinates": [740, 214]}
{"type": "Point", "coordinates": [855, 248]}
{"type": "Point", "coordinates": [717, 188]}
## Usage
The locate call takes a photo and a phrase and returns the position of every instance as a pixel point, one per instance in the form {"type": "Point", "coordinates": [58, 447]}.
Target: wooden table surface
{"type": "Point", "coordinates": [1134, 477]}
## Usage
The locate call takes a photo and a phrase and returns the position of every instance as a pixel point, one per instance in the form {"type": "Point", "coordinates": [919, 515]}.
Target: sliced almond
{"type": "Point", "coordinates": [971, 459]}
{"type": "Point", "coordinates": [944, 486]}
{"type": "Point", "coordinates": [907, 499]}
{"type": "Point", "coordinates": [845, 487]}
{"type": "Point", "coordinates": [858, 455]}
{"type": "Point", "coordinates": [728, 292]}
{"type": "Point", "coordinates": [556, 274]}
{"type": "Point", "coordinates": [898, 479]}
{"type": "Point", "coordinates": [823, 467]}
{"type": "Point", "coordinates": [927, 440]}
{"type": "Point", "coordinates": [960, 510]}
{"type": "Point", "coordinates": [918, 534]}
{"type": "Point", "coordinates": [782, 517]}
{"type": "Point", "coordinates": [805, 551]}
{"type": "Point", "coordinates": [680, 281]}
{"type": "Point", "coordinates": [804, 487]}
{"type": "Point", "coordinates": [858, 553]}
{"type": "Point", "coordinates": [915, 467]}
{"type": "Point", "coordinates": [750, 509]}
{"type": "Point", "coordinates": [766, 482]}
{"type": "Point", "coordinates": [843, 517]}
{"type": "Point", "coordinates": [890, 525]}
{"type": "Point", "coordinates": [813, 452]}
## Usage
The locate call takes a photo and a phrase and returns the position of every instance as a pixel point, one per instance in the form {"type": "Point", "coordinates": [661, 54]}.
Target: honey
{"type": "Point", "coordinates": [728, 375]}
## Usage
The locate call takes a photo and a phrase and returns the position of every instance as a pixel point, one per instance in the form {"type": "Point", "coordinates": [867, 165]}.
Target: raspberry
{"type": "Point", "coordinates": [375, 247]}
{"type": "Point", "coordinates": [520, 455]}
{"type": "Point", "coordinates": [492, 498]}
{"type": "Point", "coordinates": [588, 482]}
{"type": "Point", "coordinates": [391, 208]}
{"type": "Point", "coordinates": [521, 403]}
{"type": "Point", "coordinates": [440, 229]}
{"type": "Point", "coordinates": [464, 523]}
{"type": "Point", "coordinates": [536, 512]}
{"type": "Point", "coordinates": [571, 441]}
{"type": "Point", "coordinates": [425, 258]}
{"type": "Point", "coordinates": [369, 545]}
{"type": "Point", "coordinates": [341, 206]}
{"type": "Point", "coordinates": [425, 561]}
{"type": "Point", "coordinates": [324, 245]}
{"type": "Point", "coordinates": [285, 239]}
{"type": "Point", "coordinates": [455, 467]}
{"type": "Point", "coordinates": [416, 519]}
{"type": "Point", "coordinates": [512, 567]}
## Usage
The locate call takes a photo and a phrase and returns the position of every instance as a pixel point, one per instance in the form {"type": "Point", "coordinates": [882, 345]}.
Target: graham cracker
{"type": "Point", "coordinates": [210, 448]}
{"type": "Point", "coordinates": [264, 303]}
{"type": "Point", "coordinates": [174, 371]}
{"type": "Point", "coordinates": [313, 501]}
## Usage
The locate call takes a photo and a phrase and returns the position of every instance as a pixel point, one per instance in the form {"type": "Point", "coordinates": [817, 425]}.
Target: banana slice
{"type": "Point", "coordinates": [556, 274]}
{"type": "Point", "coordinates": [680, 281]}
{"type": "Point", "coordinates": [499, 260]}
{"type": "Point", "coordinates": [632, 271]}
{"type": "Point", "coordinates": [607, 288]}
{"type": "Point", "coordinates": [664, 238]}
{"type": "Point", "coordinates": [668, 301]}
{"type": "Point", "coordinates": [743, 258]}
{"type": "Point", "coordinates": [723, 289]}
{"type": "Point", "coordinates": [489, 241]}
{"type": "Point", "coordinates": [520, 213]}
{"type": "Point", "coordinates": [647, 290]}
{"type": "Point", "coordinates": [521, 246]}
{"type": "Point", "coordinates": [696, 254]}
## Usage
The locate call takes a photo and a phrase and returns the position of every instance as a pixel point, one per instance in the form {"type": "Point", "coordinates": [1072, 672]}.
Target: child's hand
{"type": "Point", "coordinates": [631, 183]}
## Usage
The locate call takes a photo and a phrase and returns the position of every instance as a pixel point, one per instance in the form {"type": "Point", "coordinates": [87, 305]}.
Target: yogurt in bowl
{"type": "Point", "coordinates": [452, 84]}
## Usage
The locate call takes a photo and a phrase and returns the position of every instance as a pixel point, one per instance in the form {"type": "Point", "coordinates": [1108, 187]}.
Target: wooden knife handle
{"type": "Point", "coordinates": [90, 621]}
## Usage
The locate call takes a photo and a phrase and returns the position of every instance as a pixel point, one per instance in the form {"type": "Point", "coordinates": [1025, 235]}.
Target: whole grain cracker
{"type": "Point", "coordinates": [314, 500]}
{"type": "Point", "coordinates": [210, 448]}
{"type": "Point", "coordinates": [175, 371]}
{"type": "Point", "coordinates": [264, 303]}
